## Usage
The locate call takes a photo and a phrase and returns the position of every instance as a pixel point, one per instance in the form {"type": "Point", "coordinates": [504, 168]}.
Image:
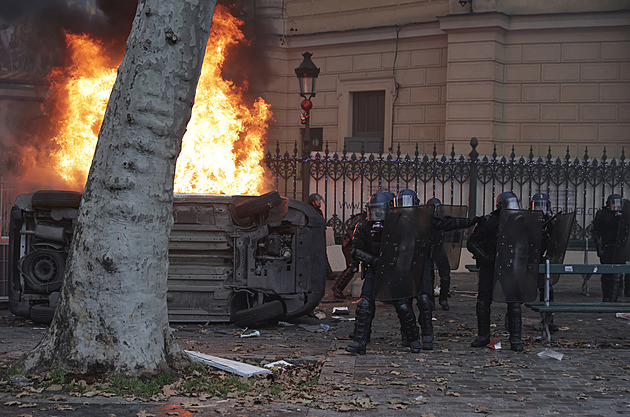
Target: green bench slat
{"type": "Point", "coordinates": [556, 303]}
{"type": "Point", "coordinates": [585, 268]}
{"type": "Point", "coordinates": [575, 308]}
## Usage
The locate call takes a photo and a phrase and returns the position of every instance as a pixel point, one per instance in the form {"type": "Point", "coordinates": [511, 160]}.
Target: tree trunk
{"type": "Point", "coordinates": [112, 316]}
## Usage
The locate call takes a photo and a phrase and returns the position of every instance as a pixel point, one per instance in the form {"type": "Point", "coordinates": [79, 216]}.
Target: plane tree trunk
{"type": "Point", "coordinates": [112, 316]}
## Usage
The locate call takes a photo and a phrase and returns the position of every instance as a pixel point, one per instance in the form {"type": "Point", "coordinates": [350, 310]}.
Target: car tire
{"type": "Point", "coordinates": [43, 270]}
{"type": "Point", "coordinates": [257, 205]}
{"type": "Point", "coordinates": [42, 313]}
{"type": "Point", "coordinates": [260, 314]}
{"type": "Point", "coordinates": [56, 199]}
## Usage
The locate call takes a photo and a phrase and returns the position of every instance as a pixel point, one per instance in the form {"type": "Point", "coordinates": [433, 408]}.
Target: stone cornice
{"type": "Point", "coordinates": [462, 22]}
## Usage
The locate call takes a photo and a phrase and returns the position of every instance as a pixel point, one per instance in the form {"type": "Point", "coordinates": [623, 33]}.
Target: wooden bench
{"type": "Point", "coordinates": [546, 307]}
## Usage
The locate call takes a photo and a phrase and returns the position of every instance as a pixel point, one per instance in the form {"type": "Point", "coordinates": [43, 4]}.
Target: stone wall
{"type": "Point", "coordinates": [546, 80]}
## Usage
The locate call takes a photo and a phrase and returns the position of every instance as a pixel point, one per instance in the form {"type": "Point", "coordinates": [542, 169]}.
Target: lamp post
{"type": "Point", "coordinates": [307, 74]}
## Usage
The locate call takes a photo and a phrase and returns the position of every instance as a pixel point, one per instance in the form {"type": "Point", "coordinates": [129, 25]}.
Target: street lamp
{"type": "Point", "coordinates": [307, 74]}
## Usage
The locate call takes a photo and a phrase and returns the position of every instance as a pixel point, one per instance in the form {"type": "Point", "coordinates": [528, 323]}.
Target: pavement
{"type": "Point", "coordinates": [591, 379]}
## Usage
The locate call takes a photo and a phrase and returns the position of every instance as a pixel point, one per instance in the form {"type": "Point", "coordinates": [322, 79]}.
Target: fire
{"type": "Point", "coordinates": [80, 92]}
{"type": "Point", "coordinates": [223, 146]}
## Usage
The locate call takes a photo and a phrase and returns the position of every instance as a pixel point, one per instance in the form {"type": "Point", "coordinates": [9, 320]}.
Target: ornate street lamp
{"type": "Point", "coordinates": [307, 74]}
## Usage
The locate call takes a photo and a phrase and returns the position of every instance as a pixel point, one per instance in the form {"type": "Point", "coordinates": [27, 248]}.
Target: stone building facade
{"type": "Point", "coordinates": [535, 74]}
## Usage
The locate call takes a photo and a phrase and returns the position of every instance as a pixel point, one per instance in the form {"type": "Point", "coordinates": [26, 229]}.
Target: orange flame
{"type": "Point", "coordinates": [222, 149]}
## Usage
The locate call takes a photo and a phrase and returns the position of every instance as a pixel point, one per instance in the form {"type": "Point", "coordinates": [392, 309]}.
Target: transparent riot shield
{"type": "Point", "coordinates": [622, 244]}
{"type": "Point", "coordinates": [559, 240]}
{"type": "Point", "coordinates": [518, 255]}
{"type": "Point", "coordinates": [447, 246]}
{"type": "Point", "coordinates": [405, 243]}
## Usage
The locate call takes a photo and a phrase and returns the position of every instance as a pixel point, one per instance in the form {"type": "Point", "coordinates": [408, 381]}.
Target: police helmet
{"type": "Point", "coordinates": [508, 200]}
{"type": "Point", "coordinates": [540, 201]}
{"type": "Point", "coordinates": [434, 200]}
{"type": "Point", "coordinates": [377, 207]}
{"type": "Point", "coordinates": [614, 202]}
{"type": "Point", "coordinates": [406, 198]}
{"type": "Point", "coordinates": [315, 200]}
{"type": "Point", "coordinates": [391, 197]}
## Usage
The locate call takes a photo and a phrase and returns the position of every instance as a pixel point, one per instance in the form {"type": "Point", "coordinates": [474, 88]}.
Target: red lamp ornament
{"type": "Point", "coordinates": [306, 105]}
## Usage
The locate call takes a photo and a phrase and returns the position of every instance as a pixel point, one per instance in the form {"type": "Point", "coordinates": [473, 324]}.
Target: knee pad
{"type": "Point", "coordinates": [425, 301]}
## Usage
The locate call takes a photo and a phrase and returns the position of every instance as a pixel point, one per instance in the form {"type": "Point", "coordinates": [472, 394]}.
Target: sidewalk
{"type": "Point", "coordinates": [593, 377]}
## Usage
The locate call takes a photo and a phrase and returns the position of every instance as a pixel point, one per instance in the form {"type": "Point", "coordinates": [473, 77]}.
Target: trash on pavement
{"type": "Point", "coordinates": [495, 344]}
{"type": "Point", "coordinates": [315, 328]}
{"type": "Point", "coordinates": [320, 315]}
{"type": "Point", "coordinates": [618, 315]}
{"type": "Point", "coordinates": [343, 318]}
{"type": "Point", "coordinates": [285, 324]}
{"type": "Point", "coordinates": [549, 353]}
{"type": "Point", "coordinates": [239, 368]}
{"type": "Point", "coordinates": [283, 365]}
{"type": "Point", "coordinates": [255, 333]}
{"type": "Point", "coordinates": [340, 310]}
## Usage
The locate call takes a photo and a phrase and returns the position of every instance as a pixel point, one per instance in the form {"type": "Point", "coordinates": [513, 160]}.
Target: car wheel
{"type": "Point", "coordinates": [260, 314]}
{"type": "Point", "coordinates": [42, 313]}
{"type": "Point", "coordinates": [56, 199]}
{"type": "Point", "coordinates": [43, 270]}
{"type": "Point", "coordinates": [257, 205]}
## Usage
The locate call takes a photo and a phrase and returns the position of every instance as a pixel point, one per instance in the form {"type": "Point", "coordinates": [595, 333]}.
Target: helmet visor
{"type": "Point", "coordinates": [376, 212]}
{"type": "Point", "coordinates": [541, 205]}
{"type": "Point", "coordinates": [510, 203]}
{"type": "Point", "coordinates": [615, 204]}
{"type": "Point", "coordinates": [405, 201]}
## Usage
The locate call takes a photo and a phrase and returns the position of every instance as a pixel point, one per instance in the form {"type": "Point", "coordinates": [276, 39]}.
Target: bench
{"type": "Point", "coordinates": [546, 308]}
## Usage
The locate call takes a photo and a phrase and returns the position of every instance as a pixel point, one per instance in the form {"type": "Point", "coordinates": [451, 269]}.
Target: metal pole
{"type": "Point", "coordinates": [306, 150]}
{"type": "Point", "coordinates": [472, 184]}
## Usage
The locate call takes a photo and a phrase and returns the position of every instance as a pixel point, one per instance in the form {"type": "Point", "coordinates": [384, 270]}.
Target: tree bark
{"type": "Point", "coordinates": [112, 316]}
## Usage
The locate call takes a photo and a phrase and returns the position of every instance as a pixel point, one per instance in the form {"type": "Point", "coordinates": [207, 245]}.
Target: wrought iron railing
{"type": "Point", "coordinates": [346, 180]}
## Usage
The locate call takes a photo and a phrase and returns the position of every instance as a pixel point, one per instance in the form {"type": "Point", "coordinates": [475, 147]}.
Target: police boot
{"type": "Point", "coordinates": [362, 326]}
{"type": "Point", "coordinates": [483, 324]}
{"type": "Point", "coordinates": [515, 325]}
{"type": "Point", "coordinates": [615, 287]}
{"type": "Point", "coordinates": [408, 326]}
{"type": "Point", "coordinates": [626, 288]}
{"type": "Point", "coordinates": [607, 288]}
{"type": "Point", "coordinates": [445, 286]}
{"type": "Point", "coordinates": [426, 320]}
{"type": "Point", "coordinates": [342, 282]}
{"type": "Point", "coordinates": [553, 327]}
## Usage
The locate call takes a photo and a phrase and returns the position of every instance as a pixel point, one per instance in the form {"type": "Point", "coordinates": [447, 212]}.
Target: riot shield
{"type": "Point", "coordinates": [447, 246]}
{"type": "Point", "coordinates": [518, 255]}
{"type": "Point", "coordinates": [559, 240]}
{"type": "Point", "coordinates": [621, 254]}
{"type": "Point", "coordinates": [405, 243]}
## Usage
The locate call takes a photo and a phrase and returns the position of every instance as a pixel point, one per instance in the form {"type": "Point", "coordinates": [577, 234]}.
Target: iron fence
{"type": "Point", "coordinates": [346, 180]}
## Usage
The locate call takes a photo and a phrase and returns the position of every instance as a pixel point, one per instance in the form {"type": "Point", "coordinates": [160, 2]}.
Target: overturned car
{"type": "Point", "coordinates": [241, 259]}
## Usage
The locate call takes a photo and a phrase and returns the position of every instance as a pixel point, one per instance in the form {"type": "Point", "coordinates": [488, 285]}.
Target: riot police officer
{"type": "Point", "coordinates": [366, 246]}
{"type": "Point", "coordinates": [352, 265]}
{"type": "Point", "coordinates": [483, 245]}
{"type": "Point", "coordinates": [444, 273]}
{"type": "Point", "coordinates": [316, 201]}
{"type": "Point", "coordinates": [425, 296]}
{"type": "Point", "coordinates": [605, 227]}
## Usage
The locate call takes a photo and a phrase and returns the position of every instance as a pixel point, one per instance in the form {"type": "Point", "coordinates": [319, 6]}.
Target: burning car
{"type": "Point", "coordinates": [241, 259]}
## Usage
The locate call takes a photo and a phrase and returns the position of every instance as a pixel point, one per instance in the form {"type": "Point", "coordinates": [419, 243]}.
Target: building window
{"type": "Point", "coordinates": [368, 122]}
